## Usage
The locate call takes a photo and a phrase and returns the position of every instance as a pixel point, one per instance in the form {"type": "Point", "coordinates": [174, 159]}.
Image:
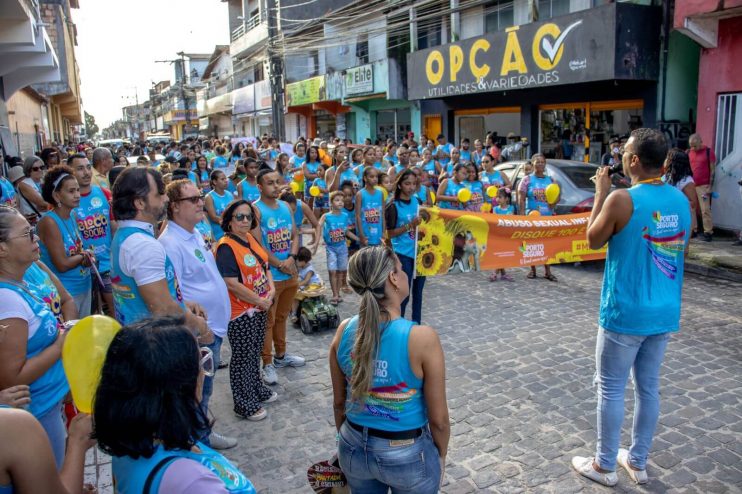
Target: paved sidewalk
{"type": "Point", "coordinates": [716, 259]}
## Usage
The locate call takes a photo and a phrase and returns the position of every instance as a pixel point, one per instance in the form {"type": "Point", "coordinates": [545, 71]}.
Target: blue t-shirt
{"type": "Point", "coordinates": [508, 210]}
{"type": "Point", "coordinates": [334, 228]}
{"type": "Point", "coordinates": [404, 244]}
{"type": "Point", "coordinates": [643, 276]}
{"type": "Point", "coordinates": [7, 192]}
{"type": "Point", "coordinates": [250, 192]}
{"type": "Point", "coordinates": [395, 401]}
{"type": "Point", "coordinates": [94, 223]}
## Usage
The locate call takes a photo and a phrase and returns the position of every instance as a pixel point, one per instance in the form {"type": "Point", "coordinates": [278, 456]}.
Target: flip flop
{"type": "Point", "coordinates": [551, 277]}
{"type": "Point", "coordinates": [531, 276]}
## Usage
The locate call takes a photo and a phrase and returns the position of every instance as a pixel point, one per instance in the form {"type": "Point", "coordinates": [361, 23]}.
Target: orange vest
{"type": "Point", "coordinates": [252, 269]}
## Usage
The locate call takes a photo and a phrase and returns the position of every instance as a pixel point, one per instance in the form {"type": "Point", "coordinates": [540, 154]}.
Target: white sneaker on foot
{"type": "Point", "coordinates": [272, 398]}
{"type": "Point", "coordinates": [269, 374]}
{"type": "Point", "coordinates": [638, 476]}
{"type": "Point", "coordinates": [218, 441]}
{"type": "Point", "coordinates": [584, 466]}
{"type": "Point", "coordinates": [289, 360]}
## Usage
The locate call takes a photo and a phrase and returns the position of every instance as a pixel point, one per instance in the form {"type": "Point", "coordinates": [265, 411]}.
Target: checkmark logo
{"type": "Point", "coordinates": [552, 49]}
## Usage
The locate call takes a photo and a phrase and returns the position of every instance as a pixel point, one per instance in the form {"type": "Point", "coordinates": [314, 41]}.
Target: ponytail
{"type": "Point", "coordinates": [368, 271]}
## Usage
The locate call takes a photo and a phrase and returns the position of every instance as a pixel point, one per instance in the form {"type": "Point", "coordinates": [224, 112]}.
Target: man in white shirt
{"type": "Point", "coordinates": [142, 275]}
{"type": "Point", "coordinates": [197, 274]}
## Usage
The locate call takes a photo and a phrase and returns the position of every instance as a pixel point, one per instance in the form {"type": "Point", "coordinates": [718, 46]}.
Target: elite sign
{"type": "Point", "coordinates": [576, 48]}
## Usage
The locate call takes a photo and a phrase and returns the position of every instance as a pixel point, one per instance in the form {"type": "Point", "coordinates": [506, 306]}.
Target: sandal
{"type": "Point", "coordinates": [551, 277]}
{"type": "Point", "coordinates": [531, 275]}
{"type": "Point", "coordinates": [493, 276]}
{"type": "Point", "coordinates": [507, 277]}
{"type": "Point", "coordinates": [334, 301]}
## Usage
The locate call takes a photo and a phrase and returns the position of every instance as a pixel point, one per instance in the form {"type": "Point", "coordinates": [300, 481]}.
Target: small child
{"type": "Point", "coordinates": [333, 227]}
{"type": "Point", "coordinates": [503, 207]}
{"type": "Point", "coordinates": [370, 209]}
{"type": "Point", "coordinates": [309, 279]}
{"type": "Point", "coordinates": [386, 182]}
{"type": "Point", "coordinates": [322, 201]}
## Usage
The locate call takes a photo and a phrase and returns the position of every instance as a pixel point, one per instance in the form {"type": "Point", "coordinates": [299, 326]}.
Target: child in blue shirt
{"type": "Point", "coordinates": [503, 207]}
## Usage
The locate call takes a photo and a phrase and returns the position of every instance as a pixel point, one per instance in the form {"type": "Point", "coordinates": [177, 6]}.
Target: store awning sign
{"type": "Point", "coordinates": [306, 92]}
{"type": "Point", "coordinates": [591, 45]}
{"type": "Point", "coordinates": [359, 80]}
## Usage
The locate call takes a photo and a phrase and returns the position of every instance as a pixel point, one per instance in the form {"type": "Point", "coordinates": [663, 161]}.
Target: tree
{"type": "Point", "coordinates": [91, 128]}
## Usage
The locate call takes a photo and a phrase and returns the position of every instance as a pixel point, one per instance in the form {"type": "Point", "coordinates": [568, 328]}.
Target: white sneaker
{"type": "Point", "coordinates": [257, 416]}
{"type": "Point", "coordinates": [638, 476]}
{"type": "Point", "coordinates": [289, 360]}
{"type": "Point", "coordinates": [272, 398]}
{"type": "Point", "coordinates": [584, 466]}
{"type": "Point", "coordinates": [269, 374]}
{"type": "Point", "coordinates": [218, 441]}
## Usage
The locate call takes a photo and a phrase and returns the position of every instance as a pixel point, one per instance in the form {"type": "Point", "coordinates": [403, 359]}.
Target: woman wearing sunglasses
{"type": "Point", "coordinates": [31, 204]}
{"type": "Point", "coordinates": [147, 413]}
{"type": "Point", "coordinates": [34, 305]}
{"type": "Point", "coordinates": [243, 263]}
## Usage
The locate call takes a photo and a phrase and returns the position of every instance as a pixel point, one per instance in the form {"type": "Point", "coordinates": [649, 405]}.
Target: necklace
{"type": "Point", "coordinates": [651, 181]}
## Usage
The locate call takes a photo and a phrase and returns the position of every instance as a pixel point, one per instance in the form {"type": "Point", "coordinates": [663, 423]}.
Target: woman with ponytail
{"type": "Point", "coordinates": [388, 381]}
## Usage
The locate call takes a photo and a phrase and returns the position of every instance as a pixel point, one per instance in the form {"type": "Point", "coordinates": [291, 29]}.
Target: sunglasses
{"type": "Point", "coordinates": [207, 361]}
{"type": "Point", "coordinates": [36, 168]}
{"type": "Point", "coordinates": [192, 199]}
{"type": "Point", "coordinates": [243, 217]}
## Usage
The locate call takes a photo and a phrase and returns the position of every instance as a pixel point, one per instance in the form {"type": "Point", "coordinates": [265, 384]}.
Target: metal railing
{"type": "Point", "coordinates": [245, 27]}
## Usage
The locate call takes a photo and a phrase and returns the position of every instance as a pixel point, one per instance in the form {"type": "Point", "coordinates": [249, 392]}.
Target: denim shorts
{"type": "Point", "coordinates": [373, 465]}
{"type": "Point", "coordinates": [337, 257]}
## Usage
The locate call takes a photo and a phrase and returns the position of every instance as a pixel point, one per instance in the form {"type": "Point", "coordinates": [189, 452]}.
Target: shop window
{"type": "Point", "coordinates": [362, 49]}
{"type": "Point", "coordinates": [471, 128]}
{"type": "Point", "coordinates": [498, 16]}
{"type": "Point", "coordinates": [563, 133]}
{"type": "Point", "coordinates": [548, 9]}
{"type": "Point", "coordinates": [429, 37]}
{"type": "Point", "coordinates": [259, 72]}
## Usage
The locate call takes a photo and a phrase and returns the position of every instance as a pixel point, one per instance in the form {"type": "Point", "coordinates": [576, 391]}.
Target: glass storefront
{"type": "Point", "coordinates": [394, 124]}
{"type": "Point", "coordinates": [326, 125]}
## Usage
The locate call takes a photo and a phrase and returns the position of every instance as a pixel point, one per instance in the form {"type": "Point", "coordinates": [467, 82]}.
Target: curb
{"type": "Point", "coordinates": [704, 270]}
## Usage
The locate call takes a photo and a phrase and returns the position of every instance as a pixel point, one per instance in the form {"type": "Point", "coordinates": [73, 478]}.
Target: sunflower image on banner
{"type": "Point", "coordinates": [450, 241]}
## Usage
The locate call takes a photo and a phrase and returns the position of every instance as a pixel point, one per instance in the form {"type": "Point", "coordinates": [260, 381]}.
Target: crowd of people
{"type": "Point", "coordinates": [186, 244]}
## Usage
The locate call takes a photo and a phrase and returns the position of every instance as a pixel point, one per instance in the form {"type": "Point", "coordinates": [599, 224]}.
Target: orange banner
{"type": "Point", "coordinates": [460, 241]}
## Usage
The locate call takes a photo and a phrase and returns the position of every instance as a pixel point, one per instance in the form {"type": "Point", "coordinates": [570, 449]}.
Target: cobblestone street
{"type": "Point", "coordinates": [520, 366]}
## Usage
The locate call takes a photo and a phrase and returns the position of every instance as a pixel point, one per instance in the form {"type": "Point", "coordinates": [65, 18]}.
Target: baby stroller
{"type": "Point", "coordinates": [315, 312]}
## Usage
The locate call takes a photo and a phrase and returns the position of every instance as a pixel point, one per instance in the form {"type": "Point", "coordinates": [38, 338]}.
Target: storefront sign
{"type": "Point", "coordinates": [602, 43]}
{"type": "Point", "coordinates": [306, 91]}
{"type": "Point", "coordinates": [359, 80]}
{"type": "Point", "coordinates": [180, 116]}
{"type": "Point", "coordinates": [262, 95]}
{"type": "Point", "coordinates": [483, 241]}
{"type": "Point", "coordinates": [243, 99]}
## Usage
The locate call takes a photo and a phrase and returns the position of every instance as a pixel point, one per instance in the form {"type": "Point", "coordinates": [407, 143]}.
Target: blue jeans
{"type": "Point", "coordinates": [53, 423]}
{"type": "Point", "coordinates": [416, 289]}
{"type": "Point", "coordinates": [372, 465]}
{"type": "Point", "coordinates": [208, 387]}
{"type": "Point", "coordinates": [616, 356]}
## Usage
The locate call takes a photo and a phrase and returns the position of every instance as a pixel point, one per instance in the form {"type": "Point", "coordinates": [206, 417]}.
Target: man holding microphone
{"type": "Point", "coordinates": [647, 229]}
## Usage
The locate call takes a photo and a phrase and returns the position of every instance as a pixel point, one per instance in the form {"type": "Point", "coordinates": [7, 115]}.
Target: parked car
{"type": "Point", "coordinates": [578, 191]}
{"type": "Point", "coordinates": [133, 159]}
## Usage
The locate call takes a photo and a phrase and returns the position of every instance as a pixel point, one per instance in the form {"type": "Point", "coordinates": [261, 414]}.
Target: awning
{"type": "Point", "coordinates": [364, 98]}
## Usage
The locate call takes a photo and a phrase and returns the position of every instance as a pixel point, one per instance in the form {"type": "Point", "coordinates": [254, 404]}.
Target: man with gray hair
{"type": "Point", "coordinates": [703, 166]}
{"type": "Point", "coordinates": [102, 164]}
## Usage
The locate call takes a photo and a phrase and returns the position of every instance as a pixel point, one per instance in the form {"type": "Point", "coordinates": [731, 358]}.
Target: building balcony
{"type": "Point", "coordinates": [248, 36]}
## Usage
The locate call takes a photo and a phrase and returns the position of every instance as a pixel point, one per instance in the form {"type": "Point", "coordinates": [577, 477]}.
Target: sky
{"type": "Point", "coordinates": [118, 42]}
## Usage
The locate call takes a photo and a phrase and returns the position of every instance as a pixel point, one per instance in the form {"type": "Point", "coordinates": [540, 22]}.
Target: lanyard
{"type": "Point", "coordinates": [651, 181]}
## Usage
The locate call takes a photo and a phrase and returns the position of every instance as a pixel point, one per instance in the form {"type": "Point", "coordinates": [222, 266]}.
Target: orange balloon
{"type": "Point", "coordinates": [535, 212]}
{"type": "Point", "coordinates": [298, 176]}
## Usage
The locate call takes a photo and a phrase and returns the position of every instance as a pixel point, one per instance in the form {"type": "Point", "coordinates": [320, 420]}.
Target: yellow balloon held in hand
{"type": "Point", "coordinates": [552, 193]}
{"type": "Point", "coordinates": [384, 192]}
{"type": "Point", "coordinates": [535, 212]}
{"type": "Point", "coordinates": [314, 191]}
{"type": "Point", "coordinates": [84, 351]}
{"type": "Point", "coordinates": [492, 191]}
{"type": "Point", "coordinates": [294, 187]}
{"type": "Point", "coordinates": [432, 197]}
{"type": "Point", "coordinates": [464, 195]}
{"type": "Point", "coordinates": [486, 207]}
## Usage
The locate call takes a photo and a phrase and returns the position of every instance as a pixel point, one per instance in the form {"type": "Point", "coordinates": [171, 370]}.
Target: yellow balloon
{"type": "Point", "coordinates": [294, 187]}
{"type": "Point", "coordinates": [83, 354]}
{"type": "Point", "coordinates": [535, 212]}
{"type": "Point", "coordinates": [314, 191]}
{"type": "Point", "coordinates": [384, 192]}
{"type": "Point", "coordinates": [492, 191]}
{"type": "Point", "coordinates": [486, 207]}
{"type": "Point", "coordinates": [432, 197]}
{"type": "Point", "coordinates": [552, 193]}
{"type": "Point", "coordinates": [464, 195]}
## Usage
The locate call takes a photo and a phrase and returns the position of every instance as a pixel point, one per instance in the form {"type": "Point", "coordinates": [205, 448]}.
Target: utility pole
{"type": "Point", "coordinates": [183, 94]}
{"type": "Point", "coordinates": [276, 72]}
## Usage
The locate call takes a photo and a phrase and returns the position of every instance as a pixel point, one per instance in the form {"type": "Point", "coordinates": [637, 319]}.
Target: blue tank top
{"type": "Point", "coordinates": [404, 244]}
{"type": "Point", "coordinates": [298, 214]}
{"type": "Point", "coordinates": [452, 189]}
{"type": "Point", "coordinates": [349, 175]}
{"type": "Point", "coordinates": [77, 280]}
{"type": "Point", "coordinates": [372, 207]}
{"type": "Point", "coordinates": [395, 401]}
{"type": "Point", "coordinates": [250, 192]}
{"type": "Point", "coordinates": [493, 178]}
{"type": "Point", "coordinates": [276, 230]}
{"type": "Point", "coordinates": [94, 223]}
{"type": "Point", "coordinates": [7, 192]}
{"type": "Point", "coordinates": [508, 210]}
{"type": "Point", "coordinates": [536, 197]}
{"type": "Point", "coordinates": [477, 195]}
{"type": "Point", "coordinates": [422, 194]}
{"type": "Point", "coordinates": [42, 285]}
{"type": "Point", "coordinates": [465, 155]}
{"type": "Point", "coordinates": [130, 475]}
{"type": "Point", "coordinates": [220, 204]}
{"type": "Point", "coordinates": [312, 167]}
{"type": "Point", "coordinates": [204, 228]}
{"type": "Point", "coordinates": [232, 188]}
{"type": "Point", "coordinates": [220, 162]}
{"type": "Point", "coordinates": [644, 266]}
{"type": "Point", "coordinates": [324, 198]}
{"type": "Point", "coordinates": [48, 389]}
{"type": "Point", "coordinates": [128, 303]}
{"type": "Point", "coordinates": [334, 228]}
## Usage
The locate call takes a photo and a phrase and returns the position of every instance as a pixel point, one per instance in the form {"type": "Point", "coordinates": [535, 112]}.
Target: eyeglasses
{"type": "Point", "coordinates": [207, 361]}
{"type": "Point", "coordinates": [243, 217]}
{"type": "Point", "coordinates": [192, 199]}
{"type": "Point", "coordinates": [30, 234]}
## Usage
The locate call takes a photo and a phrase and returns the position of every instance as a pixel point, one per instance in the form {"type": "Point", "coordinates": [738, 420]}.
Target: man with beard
{"type": "Point", "coordinates": [143, 277]}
